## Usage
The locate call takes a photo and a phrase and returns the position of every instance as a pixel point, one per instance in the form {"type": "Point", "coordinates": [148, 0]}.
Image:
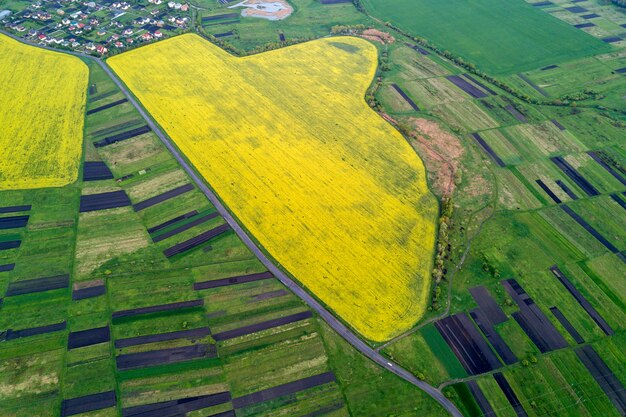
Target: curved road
{"type": "Point", "coordinates": [332, 321]}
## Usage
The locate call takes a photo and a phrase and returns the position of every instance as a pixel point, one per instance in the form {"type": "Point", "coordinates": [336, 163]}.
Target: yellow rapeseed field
{"type": "Point", "coordinates": [331, 190]}
{"type": "Point", "coordinates": [42, 102]}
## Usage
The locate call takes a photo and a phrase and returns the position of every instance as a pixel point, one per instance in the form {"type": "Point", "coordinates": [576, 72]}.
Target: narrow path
{"type": "Point", "coordinates": [332, 321]}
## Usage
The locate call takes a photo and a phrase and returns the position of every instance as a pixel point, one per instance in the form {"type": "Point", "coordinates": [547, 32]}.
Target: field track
{"type": "Point", "coordinates": [332, 321]}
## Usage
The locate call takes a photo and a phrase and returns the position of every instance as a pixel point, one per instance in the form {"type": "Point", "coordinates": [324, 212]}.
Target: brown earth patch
{"type": "Point", "coordinates": [378, 36]}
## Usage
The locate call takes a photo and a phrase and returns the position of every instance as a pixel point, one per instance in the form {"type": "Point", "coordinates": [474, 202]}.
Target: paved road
{"type": "Point", "coordinates": [332, 321]}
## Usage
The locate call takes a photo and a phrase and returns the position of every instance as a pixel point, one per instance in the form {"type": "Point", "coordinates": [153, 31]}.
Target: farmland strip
{"type": "Point", "coordinates": [510, 394]}
{"type": "Point", "coordinates": [488, 149]}
{"type": "Point", "coordinates": [584, 25]}
{"type": "Point", "coordinates": [481, 85]}
{"type": "Point", "coordinates": [618, 200]}
{"type": "Point", "coordinates": [106, 106]}
{"type": "Point", "coordinates": [466, 86]}
{"type": "Point", "coordinates": [548, 191]}
{"type": "Point", "coordinates": [516, 113]}
{"type": "Point", "coordinates": [165, 356]}
{"type": "Point", "coordinates": [38, 285]}
{"type": "Point", "coordinates": [282, 390]}
{"type": "Point", "coordinates": [158, 308]}
{"type": "Point", "coordinates": [14, 209]}
{"type": "Point", "coordinates": [88, 403]}
{"type": "Point", "coordinates": [485, 325]}
{"type": "Point", "coordinates": [607, 167]}
{"type": "Point", "coordinates": [122, 136]}
{"type": "Point", "coordinates": [405, 97]}
{"type": "Point", "coordinates": [172, 221]}
{"type": "Point", "coordinates": [10, 244]}
{"type": "Point", "coordinates": [88, 337]}
{"type": "Point", "coordinates": [182, 334]}
{"type": "Point", "coordinates": [163, 197]}
{"type": "Point", "coordinates": [549, 67]}
{"type": "Point", "coordinates": [220, 17]}
{"type": "Point", "coordinates": [533, 321]}
{"type": "Point", "coordinates": [179, 407]}
{"type": "Point", "coordinates": [568, 170]}
{"type": "Point", "coordinates": [557, 124]}
{"type": "Point", "coordinates": [253, 328]}
{"type": "Point", "coordinates": [184, 227]}
{"type": "Point", "coordinates": [467, 344]}
{"type": "Point", "coordinates": [99, 97]}
{"type": "Point", "coordinates": [7, 267]}
{"type": "Point", "coordinates": [196, 241]}
{"type": "Point", "coordinates": [269, 295]}
{"type": "Point", "coordinates": [95, 171]}
{"type": "Point", "coordinates": [89, 292]}
{"type": "Point", "coordinates": [34, 331]}
{"type": "Point", "coordinates": [13, 222]}
{"type": "Point", "coordinates": [584, 303]}
{"type": "Point", "coordinates": [334, 1]}
{"type": "Point", "coordinates": [590, 229]}
{"type": "Point", "coordinates": [567, 325]}
{"type": "Point", "coordinates": [417, 48]}
{"type": "Point", "coordinates": [242, 279]}
{"type": "Point", "coordinates": [229, 413]}
{"type": "Point", "coordinates": [488, 305]}
{"type": "Point", "coordinates": [535, 87]}
{"type": "Point", "coordinates": [604, 376]}
{"type": "Point", "coordinates": [480, 398]}
{"type": "Point", "coordinates": [104, 201]}
{"type": "Point", "coordinates": [567, 190]}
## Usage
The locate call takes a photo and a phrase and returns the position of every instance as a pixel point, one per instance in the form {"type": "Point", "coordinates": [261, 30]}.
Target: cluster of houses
{"type": "Point", "coordinates": [95, 27]}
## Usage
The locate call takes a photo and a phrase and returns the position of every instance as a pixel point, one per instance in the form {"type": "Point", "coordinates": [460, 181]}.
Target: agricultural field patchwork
{"type": "Point", "coordinates": [368, 214]}
{"type": "Point", "coordinates": [41, 137]}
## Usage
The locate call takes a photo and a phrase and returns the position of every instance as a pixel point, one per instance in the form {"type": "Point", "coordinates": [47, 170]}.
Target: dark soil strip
{"type": "Point", "coordinates": [467, 344]}
{"type": "Point", "coordinates": [165, 356]}
{"type": "Point", "coordinates": [417, 48]}
{"type": "Point", "coordinates": [533, 321]}
{"type": "Point", "coordinates": [90, 292]}
{"type": "Point", "coordinates": [88, 337]}
{"type": "Point", "coordinates": [576, 9]}
{"type": "Point", "coordinates": [590, 16]}
{"type": "Point", "coordinates": [230, 413]}
{"type": "Point", "coordinates": [269, 295]}
{"type": "Point", "coordinates": [557, 124]}
{"type": "Point", "coordinates": [405, 97]}
{"type": "Point", "coordinates": [223, 34]}
{"type": "Point", "coordinates": [488, 149]}
{"type": "Point", "coordinates": [567, 190]}
{"type": "Point", "coordinates": [542, 4]}
{"type": "Point", "coordinates": [584, 303]}
{"type": "Point", "coordinates": [607, 167]}
{"type": "Point", "coordinates": [282, 390]}
{"type": "Point", "coordinates": [574, 176]}
{"type": "Point", "coordinates": [584, 25]}
{"type": "Point", "coordinates": [34, 331]}
{"type": "Point", "coordinates": [618, 200]}
{"type": "Point", "coordinates": [38, 285]}
{"type": "Point", "coordinates": [193, 334]}
{"type": "Point", "coordinates": [516, 113]}
{"type": "Point", "coordinates": [481, 400]}
{"type": "Point", "coordinates": [184, 227]}
{"type": "Point", "coordinates": [269, 324]}
{"type": "Point", "coordinates": [196, 241]}
{"type": "Point", "coordinates": [96, 171]}
{"type": "Point", "coordinates": [122, 136]}
{"type": "Point", "coordinates": [163, 197]}
{"type": "Point", "coordinates": [621, 70]}
{"type": "Point", "coordinates": [242, 279]}
{"type": "Point", "coordinates": [611, 39]}
{"type": "Point", "coordinates": [590, 229]}
{"type": "Point", "coordinates": [281, 37]}
{"type": "Point", "coordinates": [103, 201]}
{"type": "Point", "coordinates": [88, 403]}
{"type": "Point", "coordinates": [14, 209]}
{"type": "Point", "coordinates": [548, 191]}
{"type": "Point", "coordinates": [466, 86]}
{"type": "Point", "coordinates": [509, 394]}
{"type": "Point", "coordinates": [7, 267]}
{"type": "Point", "coordinates": [158, 308]}
{"type": "Point", "coordinates": [335, 1]}
{"type": "Point", "coordinates": [220, 17]}
{"type": "Point", "coordinates": [568, 326]}
{"type": "Point", "coordinates": [106, 106]}
{"type": "Point", "coordinates": [549, 67]}
{"type": "Point", "coordinates": [13, 222]}
{"type": "Point", "coordinates": [176, 408]}
{"type": "Point", "coordinates": [485, 325]}
{"type": "Point", "coordinates": [10, 244]}
{"type": "Point", "coordinates": [535, 87]}
{"type": "Point", "coordinates": [488, 305]}
{"type": "Point", "coordinates": [172, 221]}
{"type": "Point", "coordinates": [604, 376]}
{"type": "Point", "coordinates": [481, 85]}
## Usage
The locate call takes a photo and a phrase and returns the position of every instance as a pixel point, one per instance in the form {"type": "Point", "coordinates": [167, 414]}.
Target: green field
{"type": "Point", "coordinates": [499, 37]}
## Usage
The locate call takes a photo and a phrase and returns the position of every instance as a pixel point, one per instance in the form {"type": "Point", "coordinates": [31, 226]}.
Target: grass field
{"type": "Point", "coordinates": [41, 133]}
{"type": "Point", "coordinates": [366, 215]}
{"type": "Point", "coordinates": [490, 33]}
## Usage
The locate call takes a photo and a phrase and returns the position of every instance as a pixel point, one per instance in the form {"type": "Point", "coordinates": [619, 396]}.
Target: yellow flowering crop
{"type": "Point", "coordinates": [42, 103]}
{"type": "Point", "coordinates": [331, 191]}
